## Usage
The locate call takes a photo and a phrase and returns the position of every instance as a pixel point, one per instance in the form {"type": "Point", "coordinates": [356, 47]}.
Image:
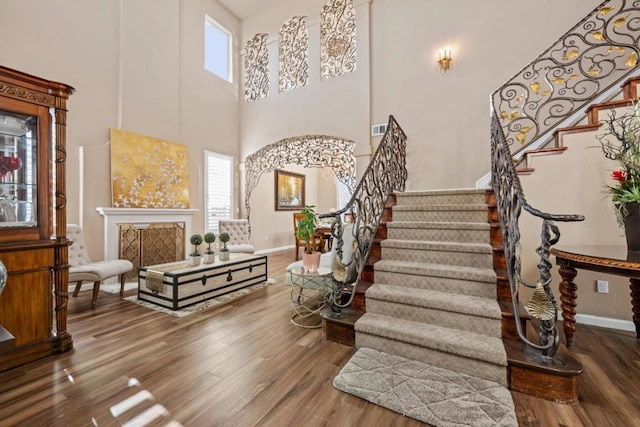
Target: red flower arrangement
{"type": "Point", "coordinates": [625, 149]}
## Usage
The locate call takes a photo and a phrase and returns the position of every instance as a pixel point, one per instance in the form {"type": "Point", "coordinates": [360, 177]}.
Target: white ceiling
{"type": "Point", "coordinates": [244, 8]}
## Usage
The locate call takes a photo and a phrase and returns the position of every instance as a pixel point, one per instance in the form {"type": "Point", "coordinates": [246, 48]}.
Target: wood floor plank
{"type": "Point", "coordinates": [245, 364]}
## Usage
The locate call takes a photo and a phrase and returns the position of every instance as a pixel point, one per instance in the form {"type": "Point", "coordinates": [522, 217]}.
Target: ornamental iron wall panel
{"type": "Point", "coordinates": [293, 54]}
{"type": "Point", "coordinates": [256, 68]}
{"type": "Point", "coordinates": [337, 39]}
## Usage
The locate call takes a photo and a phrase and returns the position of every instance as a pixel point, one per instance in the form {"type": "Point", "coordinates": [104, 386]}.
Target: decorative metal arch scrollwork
{"type": "Point", "coordinates": [337, 39]}
{"type": "Point", "coordinates": [256, 68]}
{"type": "Point", "coordinates": [311, 151]}
{"type": "Point", "coordinates": [293, 54]}
{"type": "Point", "coordinates": [593, 56]}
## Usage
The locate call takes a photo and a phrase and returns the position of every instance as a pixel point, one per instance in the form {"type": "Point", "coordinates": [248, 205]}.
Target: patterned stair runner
{"type": "Point", "coordinates": [434, 297]}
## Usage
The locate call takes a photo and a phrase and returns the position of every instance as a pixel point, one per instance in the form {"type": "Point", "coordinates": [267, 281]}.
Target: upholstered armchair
{"type": "Point", "coordinates": [238, 230]}
{"type": "Point", "coordinates": [82, 269]}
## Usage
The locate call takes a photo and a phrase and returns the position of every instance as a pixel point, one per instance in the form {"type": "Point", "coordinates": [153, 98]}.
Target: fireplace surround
{"type": "Point", "coordinates": [114, 219]}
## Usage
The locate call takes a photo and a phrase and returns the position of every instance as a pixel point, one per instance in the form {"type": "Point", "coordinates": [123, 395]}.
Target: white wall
{"type": "Point", "coordinates": [446, 117]}
{"type": "Point", "coordinates": [137, 64]}
{"type": "Point", "coordinates": [337, 107]}
{"type": "Point", "coordinates": [574, 183]}
{"type": "Point", "coordinates": [167, 94]}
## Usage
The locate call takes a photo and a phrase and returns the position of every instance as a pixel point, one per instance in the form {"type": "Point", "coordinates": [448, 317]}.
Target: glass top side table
{"type": "Point", "coordinates": [310, 293]}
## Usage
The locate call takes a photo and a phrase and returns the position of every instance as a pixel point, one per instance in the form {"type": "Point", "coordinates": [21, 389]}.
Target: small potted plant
{"type": "Point", "coordinates": [306, 230]}
{"type": "Point", "coordinates": [196, 257]}
{"type": "Point", "coordinates": [224, 251]}
{"type": "Point", "coordinates": [209, 255]}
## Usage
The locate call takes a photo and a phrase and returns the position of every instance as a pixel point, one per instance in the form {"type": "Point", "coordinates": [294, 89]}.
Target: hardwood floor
{"type": "Point", "coordinates": [245, 364]}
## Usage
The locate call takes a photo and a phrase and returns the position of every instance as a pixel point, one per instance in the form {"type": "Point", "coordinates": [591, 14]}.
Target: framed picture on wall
{"type": "Point", "coordinates": [289, 194]}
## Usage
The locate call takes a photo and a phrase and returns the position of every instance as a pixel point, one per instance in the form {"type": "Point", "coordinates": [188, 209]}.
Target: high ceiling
{"type": "Point", "coordinates": [244, 8]}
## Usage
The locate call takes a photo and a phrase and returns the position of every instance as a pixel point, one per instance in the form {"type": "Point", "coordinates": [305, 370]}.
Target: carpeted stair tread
{"type": "Point", "coordinates": [437, 270]}
{"type": "Point", "coordinates": [453, 341]}
{"type": "Point", "coordinates": [436, 396]}
{"type": "Point", "coordinates": [481, 226]}
{"type": "Point", "coordinates": [444, 192]}
{"type": "Point", "coordinates": [467, 207]}
{"type": "Point", "coordinates": [478, 248]}
{"type": "Point", "coordinates": [445, 301]}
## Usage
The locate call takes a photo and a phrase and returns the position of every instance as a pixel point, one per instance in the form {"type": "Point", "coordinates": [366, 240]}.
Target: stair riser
{"type": "Point", "coordinates": [440, 216]}
{"type": "Point", "coordinates": [476, 368]}
{"type": "Point", "coordinates": [442, 284]}
{"type": "Point", "coordinates": [467, 259]}
{"type": "Point", "coordinates": [441, 199]}
{"type": "Point", "coordinates": [479, 325]}
{"type": "Point", "coordinates": [439, 235]}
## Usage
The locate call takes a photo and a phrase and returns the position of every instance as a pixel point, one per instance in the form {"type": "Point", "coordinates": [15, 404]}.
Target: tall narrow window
{"type": "Point", "coordinates": [256, 68]}
{"type": "Point", "coordinates": [337, 39]}
{"type": "Point", "coordinates": [218, 189]}
{"type": "Point", "coordinates": [217, 49]}
{"type": "Point", "coordinates": [343, 194]}
{"type": "Point", "coordinates": [293, 54]}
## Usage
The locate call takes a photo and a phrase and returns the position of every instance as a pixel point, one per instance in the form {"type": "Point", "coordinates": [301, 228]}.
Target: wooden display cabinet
{"type": "Point", "coordinates": [33, 243]}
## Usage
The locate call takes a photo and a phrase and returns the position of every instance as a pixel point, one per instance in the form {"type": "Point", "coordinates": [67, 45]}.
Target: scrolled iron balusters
{"type": "Point", "coordinates": [386, 173]}
{"type": "Point", "coordinates": [587, 60]}
{"type": "Point", "coordinates": [510, 202]}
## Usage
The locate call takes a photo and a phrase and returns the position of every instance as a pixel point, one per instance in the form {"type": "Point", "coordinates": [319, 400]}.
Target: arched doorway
{"type": "Point", "coordinates": [312, 151]}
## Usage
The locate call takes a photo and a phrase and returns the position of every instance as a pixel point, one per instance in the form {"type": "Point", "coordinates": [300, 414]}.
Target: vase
{"type": "Point", "coordinates": [311, 261]}
{"type": "Point", "coordinates": [195, 260]}
{"type": "Point", "coordinates": [224, 255]}
{"type": "Point", "coordinates": [209, 258]}
{"type": "Point", "coordinates": [631, 217]}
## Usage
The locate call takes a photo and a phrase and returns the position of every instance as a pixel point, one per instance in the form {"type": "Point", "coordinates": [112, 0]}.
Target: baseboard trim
{"type": "Point", "coordinates": [281, 248]}
{"type": "Point", "coordinates": [605, 322]}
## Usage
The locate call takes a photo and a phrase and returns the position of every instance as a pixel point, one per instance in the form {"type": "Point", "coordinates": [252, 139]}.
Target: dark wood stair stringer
{"type": "Point", "coordinates": [629, 93]}
{"type": "Point", "coordinates": [339, 327]}
{"type": "Point", "coordinates": [527, 371]}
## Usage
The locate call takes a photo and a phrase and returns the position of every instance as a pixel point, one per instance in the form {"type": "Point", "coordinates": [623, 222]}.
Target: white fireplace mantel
{"type": "Point", "coordinates": [113, 217]}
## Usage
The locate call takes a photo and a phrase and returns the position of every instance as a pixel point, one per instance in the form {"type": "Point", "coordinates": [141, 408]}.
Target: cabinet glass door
{"type": "Point", "coordinates": [18, 169]}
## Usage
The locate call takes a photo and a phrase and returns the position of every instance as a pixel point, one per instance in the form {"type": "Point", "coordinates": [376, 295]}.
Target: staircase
{"type": "Point", "coordinates": [591, 123]}
{"type": "Point", "coordinates": [434, 295]}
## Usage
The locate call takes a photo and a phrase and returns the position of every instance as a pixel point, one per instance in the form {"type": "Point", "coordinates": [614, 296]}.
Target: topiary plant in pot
{"type": "Point", "coordinates": [209, 255]}
{"type": "Point", "coordinates": [196, 256]}
{"type": "Point", "coordinates": [224, 251]}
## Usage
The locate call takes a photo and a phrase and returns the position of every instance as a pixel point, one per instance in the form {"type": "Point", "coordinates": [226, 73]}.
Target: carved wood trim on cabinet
{"type": "Point", "coordinates": [33, 306]}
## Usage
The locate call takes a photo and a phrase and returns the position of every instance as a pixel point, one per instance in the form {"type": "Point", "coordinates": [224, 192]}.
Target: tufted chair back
{"type": "Point", "coordinates": [238, 230]}
{"type": "Point", "coordinates": [78, 249]}
{"type": "Point", "coordinates": [82, 269]}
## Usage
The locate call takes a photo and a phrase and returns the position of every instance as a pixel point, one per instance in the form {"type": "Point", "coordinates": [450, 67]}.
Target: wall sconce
{"type": "Point", "coordinates": [444, 59]}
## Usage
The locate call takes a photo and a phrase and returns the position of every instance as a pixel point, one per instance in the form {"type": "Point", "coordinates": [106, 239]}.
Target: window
{"type": "Point", "coordinates": [217, 49]}
{"type": "Point", "coordinates": [343, 194]}
{"type": "Point", "coordinates": [218, 189]}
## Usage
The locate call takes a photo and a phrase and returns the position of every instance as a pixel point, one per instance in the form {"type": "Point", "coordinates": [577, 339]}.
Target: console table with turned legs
{"type": "Point", "coordinates": [600, 258]}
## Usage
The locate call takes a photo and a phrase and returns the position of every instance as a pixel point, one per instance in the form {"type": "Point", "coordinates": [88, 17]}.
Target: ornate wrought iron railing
{"type": "Point", "coordinates": [385, 174]}
{"type": "Point", "coordinates": [511, 202]}
{"type": "Point", "coordinates": [586, 61]}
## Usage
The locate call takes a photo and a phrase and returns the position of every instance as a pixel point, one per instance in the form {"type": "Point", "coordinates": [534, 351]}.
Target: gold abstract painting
{"type": "Point", "coordinates": [148, 172]}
